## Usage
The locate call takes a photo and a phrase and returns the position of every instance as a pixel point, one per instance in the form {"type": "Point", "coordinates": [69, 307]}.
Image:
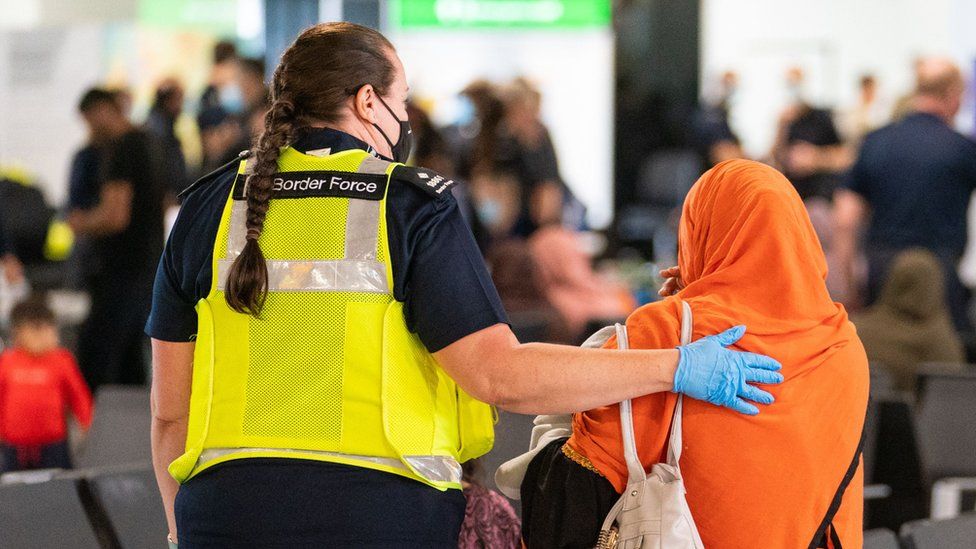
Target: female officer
{"type": "Point", "coordinates": [314, 354]}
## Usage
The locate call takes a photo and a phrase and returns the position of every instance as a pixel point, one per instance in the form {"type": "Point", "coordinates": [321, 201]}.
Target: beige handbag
{"type": "Point", "coordinates": [652, 512]}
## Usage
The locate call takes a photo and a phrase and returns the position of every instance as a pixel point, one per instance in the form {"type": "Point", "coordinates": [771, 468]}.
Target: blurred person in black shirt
{"type": "Point", "coordinates": [474, 136]}
{"type": "Point", "coordinates": [527, 149]}
{"type": "Point", "coordinates": [254, 92]}
{"type": "Point", "coordinates": [510, 150]}
{"type": "Point", "coordinates": [712, 134]}
{"type": "Point", "coordinates": [84, 174]}
{"type": "Point", "coordinates": [492, 188]}
{"type": "Point", "coordinates": [911, 183]}
{"type": "Point", "coordinates": [808, 147]}
{"type": "Point", "coordinates": [124, 99]}
{"type": "Point", "coordinates": [221, 136]}
{"type": "Point", "coordinates": [430, 149]}
{"type": "Point", "coordinates": [256, 100]}
{"type": "Point", "coordinates": [223, 89]}
{"type": "Point", "coordinates": [124, 222]}
{"type": "Point", "coordinates": [161, 123]}
{"type": "Point", "coordinates": [84, 178]}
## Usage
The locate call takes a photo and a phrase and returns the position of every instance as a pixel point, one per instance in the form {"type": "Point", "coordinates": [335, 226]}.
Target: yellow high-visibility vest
{"type": "Point", "coordinates": [329, 371]}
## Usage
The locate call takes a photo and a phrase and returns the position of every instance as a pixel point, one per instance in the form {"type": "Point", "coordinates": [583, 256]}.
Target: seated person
{"type": "Point", "coordinates": [782, 479]}
{"type": "Point", "coordinates": [39, 382]}
{"type": "Point", "coordinates": [489, 519]}
{"type": "Point", "coordinates": [909, 323]}
{"type": "Point", "coordinates": [567, 279]}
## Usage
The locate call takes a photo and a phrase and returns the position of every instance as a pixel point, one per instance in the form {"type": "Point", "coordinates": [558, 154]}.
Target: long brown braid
{"type": "Point", "coordinates": [317, 74]}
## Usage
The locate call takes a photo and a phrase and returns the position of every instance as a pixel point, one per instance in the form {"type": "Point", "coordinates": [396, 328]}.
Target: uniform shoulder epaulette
{"type": "Point", "coordinates": [214, 174]}
{"type": "Point", "coordinates": [430, 182]}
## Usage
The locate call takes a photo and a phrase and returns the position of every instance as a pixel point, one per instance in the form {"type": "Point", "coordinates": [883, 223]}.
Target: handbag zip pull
{"type": "Point", "coordinates": [607, 539]}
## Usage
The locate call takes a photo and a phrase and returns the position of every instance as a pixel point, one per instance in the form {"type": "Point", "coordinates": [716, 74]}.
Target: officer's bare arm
{"type": "Point", "coordinates": [112, 214]}
{"type": "Point", "coordinates": [172, 374]}
{"type": "Point", "coordinates": [539, 378]}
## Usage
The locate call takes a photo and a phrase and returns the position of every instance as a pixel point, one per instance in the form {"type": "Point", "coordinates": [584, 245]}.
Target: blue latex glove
{"type": "Point", "coordinates": [710, 372]}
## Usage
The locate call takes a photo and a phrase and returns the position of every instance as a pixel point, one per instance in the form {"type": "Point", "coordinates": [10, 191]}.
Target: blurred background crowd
{"type": "Point", "coordinates": [574, 126]}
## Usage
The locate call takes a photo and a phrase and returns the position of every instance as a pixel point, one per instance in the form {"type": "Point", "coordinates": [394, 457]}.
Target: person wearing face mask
{"type": "Point", "coordinates": [327, 339]}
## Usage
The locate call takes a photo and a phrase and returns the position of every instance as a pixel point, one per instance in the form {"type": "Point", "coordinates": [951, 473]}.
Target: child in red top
{"type": "Point", "coordinates": [39, 380]}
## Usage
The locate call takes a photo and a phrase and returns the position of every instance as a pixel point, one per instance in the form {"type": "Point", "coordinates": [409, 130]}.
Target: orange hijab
{"type": "Point", "coordinates": [749, 255]}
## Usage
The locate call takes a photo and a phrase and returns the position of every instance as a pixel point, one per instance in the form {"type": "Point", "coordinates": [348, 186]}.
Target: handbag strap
{"type": "Point", "coordinates": [635, 469]}
{"type": "Point", "coordinates": [674, 444]}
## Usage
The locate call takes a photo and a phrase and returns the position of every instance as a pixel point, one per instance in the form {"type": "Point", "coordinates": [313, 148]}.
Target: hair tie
{"type": "Point", "coordinates": [253, 234]}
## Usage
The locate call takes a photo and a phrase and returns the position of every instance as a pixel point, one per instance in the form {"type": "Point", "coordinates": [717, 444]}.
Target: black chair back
{"type": "Point", "coordinates": [871, 424]}
{"type": "Point", "coordinates": [895, 463]}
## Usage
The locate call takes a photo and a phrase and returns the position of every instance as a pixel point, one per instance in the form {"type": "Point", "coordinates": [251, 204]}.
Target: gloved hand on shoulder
{"type": "Point", "coordinates": [710, 372]}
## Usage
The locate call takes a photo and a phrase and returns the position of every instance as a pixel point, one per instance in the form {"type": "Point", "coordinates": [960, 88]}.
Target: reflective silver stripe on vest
{"type": "Point", "coordinates": [318, 276]}
{"type": "Point", "coordinates": [438, 468]}
{"type": "Point", "coordinates": [362, 224]}
{"type": "Point", "coordinates": [432, 468]}
{"type": "Point", "coordinates": [358, 271]}
{"type": "Point", "coordinates": [237, 235]}
{"type": "Point", "coordinates": [363, 217]}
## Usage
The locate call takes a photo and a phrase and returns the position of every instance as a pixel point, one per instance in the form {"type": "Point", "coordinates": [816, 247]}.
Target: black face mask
{"type": "Point", "coordinates": [400, 149]}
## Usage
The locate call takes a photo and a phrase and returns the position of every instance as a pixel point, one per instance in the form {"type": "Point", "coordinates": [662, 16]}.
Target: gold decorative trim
{"type": "Point", "coordinates": [580, 459]}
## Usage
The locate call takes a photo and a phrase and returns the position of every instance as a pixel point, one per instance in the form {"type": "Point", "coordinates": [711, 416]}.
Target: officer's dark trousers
{"type": "Point", "coordinates": [296, 504]}
{"type": "Point", "coordinates": [112, 346]}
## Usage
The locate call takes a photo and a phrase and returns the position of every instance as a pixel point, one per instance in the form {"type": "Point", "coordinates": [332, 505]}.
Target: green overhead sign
{"type": "Point", "coordinates": [218, 16]}
{"type": "Point", "coordinates": [499, 14]}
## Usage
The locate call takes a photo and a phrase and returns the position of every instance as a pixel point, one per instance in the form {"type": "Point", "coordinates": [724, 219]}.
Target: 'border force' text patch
{"type": "Point", "coordinates": [365, 186]}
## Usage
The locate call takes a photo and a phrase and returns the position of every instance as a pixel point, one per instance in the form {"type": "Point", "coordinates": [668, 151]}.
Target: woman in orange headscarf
{"type": "Point", "coordinates": [787, 478]}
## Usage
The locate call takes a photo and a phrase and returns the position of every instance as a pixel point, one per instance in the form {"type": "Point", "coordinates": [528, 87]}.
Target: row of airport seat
{"type": "Point", "coordinates": [119, 508]}
{"type": "Point", "coordinates": [917, 447]}
{"type": "Point", "coordinates": [921, 447]}
{"type": "Point", "coordinates": [111, 508]}
{"type": "Point", "coordinates": [954, 533]}
{"type": "Point", "coordinates": [109, 501]}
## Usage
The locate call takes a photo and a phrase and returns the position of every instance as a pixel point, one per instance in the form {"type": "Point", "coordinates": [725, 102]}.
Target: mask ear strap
{"type": "Point", "coordinates": [393, 114]}
{"type": "Point", "coordinates": [383, 133]}
{"type": "Point", "coordinates": [378, 128]}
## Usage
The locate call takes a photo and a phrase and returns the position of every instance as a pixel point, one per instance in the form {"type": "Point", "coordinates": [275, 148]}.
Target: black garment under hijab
{"type": "Point", "coordinates": [563, 503]}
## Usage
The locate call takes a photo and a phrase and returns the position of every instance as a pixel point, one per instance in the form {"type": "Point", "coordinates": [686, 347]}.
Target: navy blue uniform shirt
{"type": "Point", "coordinates": [917, 175]}
{"type": "Point", "coordinates": [438, 271]}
